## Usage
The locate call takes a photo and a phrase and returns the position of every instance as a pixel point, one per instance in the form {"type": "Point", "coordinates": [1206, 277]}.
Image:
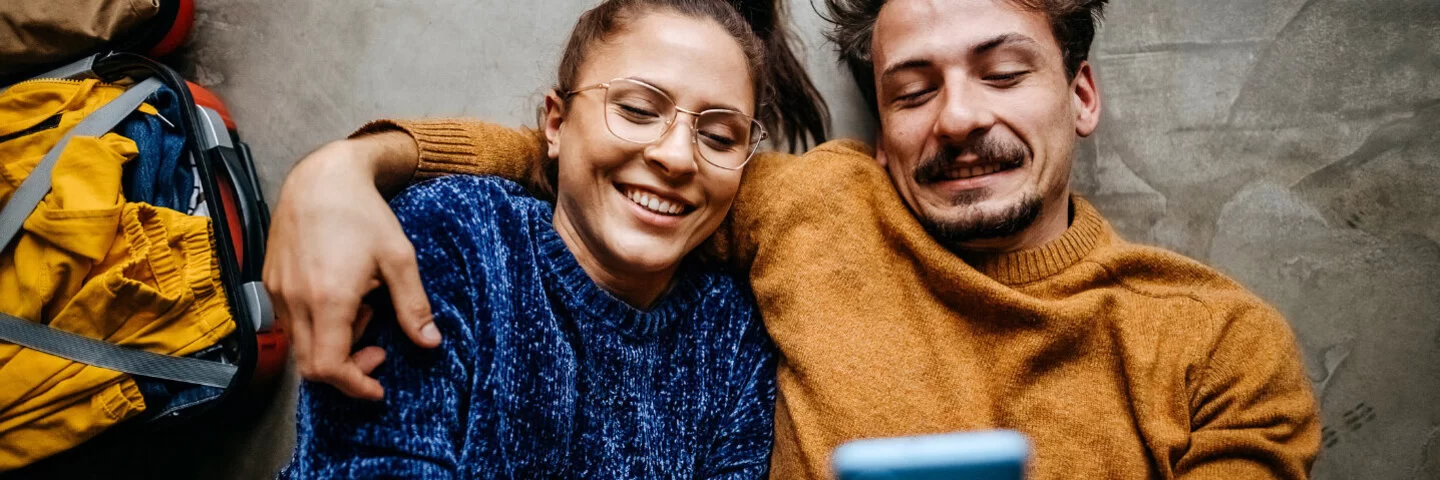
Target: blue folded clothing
{"type": "Point", "coordinates": [157, 176]}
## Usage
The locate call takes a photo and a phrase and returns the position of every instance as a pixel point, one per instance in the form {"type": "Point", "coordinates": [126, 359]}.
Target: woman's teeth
{"type": "Point", "coordinates": [653, 203]}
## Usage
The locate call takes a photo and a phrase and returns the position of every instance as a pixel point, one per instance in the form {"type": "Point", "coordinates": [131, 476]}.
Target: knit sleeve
{"type": "Point", "coordinates": [465, 146]}
{"type": "Point", "coordinates": [821, 192]}
{"type": "Point", "coordinates": [419, 430]}
{"type": "Point", "coordinates": [1253, 413]}
{"type": "Point", "coordinates": [766, 190]}
{"type": "Point", "coordinates": [742, 448]}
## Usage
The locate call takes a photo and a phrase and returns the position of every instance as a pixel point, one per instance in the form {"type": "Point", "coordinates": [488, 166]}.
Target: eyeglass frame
{"type": "Point", "coordinates": [670, 123]}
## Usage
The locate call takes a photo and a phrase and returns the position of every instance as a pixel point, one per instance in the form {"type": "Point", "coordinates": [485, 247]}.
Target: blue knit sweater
{"type": "Point", "coordinates": [542, 374]}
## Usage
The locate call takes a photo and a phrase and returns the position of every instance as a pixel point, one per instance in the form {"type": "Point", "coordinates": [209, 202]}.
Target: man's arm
{"type": "Point", "coordinates": [452, 146]}
{"type": "Point", "coordinates": [1253, 413]}
{"type": "Point", "coordinates": [333, 238]}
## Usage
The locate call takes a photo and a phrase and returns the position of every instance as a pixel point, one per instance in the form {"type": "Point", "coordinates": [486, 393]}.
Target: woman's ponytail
{"type": "Point", "coordinates": [797, 111]}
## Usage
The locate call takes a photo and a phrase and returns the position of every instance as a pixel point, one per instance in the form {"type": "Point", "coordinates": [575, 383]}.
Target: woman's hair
{"type": "Point", "coordinates": [787, 103]}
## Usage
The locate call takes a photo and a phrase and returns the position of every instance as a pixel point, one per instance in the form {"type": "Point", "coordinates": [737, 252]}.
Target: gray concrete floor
{"type": "Point", "coordinates": [1288, 142]}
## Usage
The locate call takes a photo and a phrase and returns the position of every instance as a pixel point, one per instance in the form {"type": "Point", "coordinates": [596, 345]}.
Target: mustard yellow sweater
{"type": "Point", "coordinates": [1118, 360]}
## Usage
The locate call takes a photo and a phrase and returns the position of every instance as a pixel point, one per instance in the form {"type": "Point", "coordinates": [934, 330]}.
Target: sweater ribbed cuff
{"type": "Point", "coordinates": [445, 146]}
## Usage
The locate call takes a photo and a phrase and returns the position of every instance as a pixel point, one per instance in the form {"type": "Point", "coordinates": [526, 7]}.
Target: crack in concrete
{"type": "Point", "coordinates": [1304, 7]}
{"type": "Point", "coordinates": [1349, 115]}
{"type": "Point", "coordinates": [1388, 137]}
{"type": "Point", "coordinates": [1332, 358]}
{"type": "Point", "coordinates": [1181, 47]}
{"type": "Point", "coordinates": [1263, 57]}
{"type": "Point", "coordinates": [1425, 453]}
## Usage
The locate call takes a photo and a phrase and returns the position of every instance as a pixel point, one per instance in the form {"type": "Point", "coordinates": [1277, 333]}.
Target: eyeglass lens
{"type": "Point", "coordinates": [639, 113]}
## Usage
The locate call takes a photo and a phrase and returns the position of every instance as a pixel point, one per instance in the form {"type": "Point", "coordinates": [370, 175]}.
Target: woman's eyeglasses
{"type": "Point", "coordinates": [640, 113]}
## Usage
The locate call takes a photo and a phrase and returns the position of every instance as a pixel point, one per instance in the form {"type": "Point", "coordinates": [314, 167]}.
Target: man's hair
{"type": "Point", "coordinates": [1071, 21]}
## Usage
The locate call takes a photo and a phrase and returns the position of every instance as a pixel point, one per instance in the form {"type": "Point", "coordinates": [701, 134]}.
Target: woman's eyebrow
{"type": "Point", "coordinates": [653, 84]}
{"type": "Point", "coordinates": [671, 96]}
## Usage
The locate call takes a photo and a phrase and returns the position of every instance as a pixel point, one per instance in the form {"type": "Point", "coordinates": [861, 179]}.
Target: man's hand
{"type": "Point", "coordinates": [332, 239]}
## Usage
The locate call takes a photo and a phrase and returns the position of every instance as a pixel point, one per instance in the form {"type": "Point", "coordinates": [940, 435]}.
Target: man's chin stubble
{"type": "Point", "coordinates": [976, 225]}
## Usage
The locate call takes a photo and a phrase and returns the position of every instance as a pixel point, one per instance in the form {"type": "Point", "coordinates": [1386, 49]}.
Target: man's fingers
{"type": "Point", "coordinates": [282, 314]}
{"type": "Point", "coordinates": [330, 350]}
{"type": "Point", "coordinates": [323, 260]}
{"type": "Point", "coordinates": [300, 347]}
{"type": "Point", "coordinates": [362, 320]}
{"type": "Point", "coordinates": [412, 308]}
{"type": "Point", "coordinates": [353, 382]}
{"type": "Point", "coordinates": [368, 358]}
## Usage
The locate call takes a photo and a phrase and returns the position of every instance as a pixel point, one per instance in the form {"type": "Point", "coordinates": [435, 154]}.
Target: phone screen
{"type": "Point", "coordinates": [987, 455]}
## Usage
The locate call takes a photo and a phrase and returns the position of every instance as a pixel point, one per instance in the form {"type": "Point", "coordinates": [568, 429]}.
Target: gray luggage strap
{"type": "Point", "coordinates": [37, 184]}
{"type": "Point", "coordinates": [77, 347]}
{"type": "Point", "coordinates": [109, 356]}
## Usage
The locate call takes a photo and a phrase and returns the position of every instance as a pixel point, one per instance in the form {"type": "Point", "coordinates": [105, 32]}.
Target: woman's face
{"type": "Point", "coordinates": [639, 208]}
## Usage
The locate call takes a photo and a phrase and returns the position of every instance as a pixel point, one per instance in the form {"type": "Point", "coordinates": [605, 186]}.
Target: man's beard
{"type": "Point", "coordinates": [973, 223]}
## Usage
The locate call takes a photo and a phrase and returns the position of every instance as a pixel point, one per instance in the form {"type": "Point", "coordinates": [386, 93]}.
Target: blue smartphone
{"type": "Point", "coordinates": [988, 455]}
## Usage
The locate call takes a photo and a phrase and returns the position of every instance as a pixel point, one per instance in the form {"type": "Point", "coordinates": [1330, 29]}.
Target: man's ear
{"type": "Point", "coordinates": [880, 152]}
{"type": "Point", "coordinates": [1087, 101]}
{"type": "Point", "coordinates": [554, 119]}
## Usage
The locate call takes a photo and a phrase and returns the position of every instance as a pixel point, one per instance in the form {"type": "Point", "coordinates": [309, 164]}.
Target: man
{"type": "Point", "coordinates": [949, 282]}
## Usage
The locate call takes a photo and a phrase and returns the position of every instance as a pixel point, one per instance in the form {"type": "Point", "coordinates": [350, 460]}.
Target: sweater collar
{"type": "Point", "coordinates": [585, 299]}
{"type": "Point", "coordinates": [1087, 231]}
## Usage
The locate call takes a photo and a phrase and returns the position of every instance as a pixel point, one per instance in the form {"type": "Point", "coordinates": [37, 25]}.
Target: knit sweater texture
{"type": "Point", "coordinates": [1117, 360]}
{"type": "Point", "coordinates": [543, 374]}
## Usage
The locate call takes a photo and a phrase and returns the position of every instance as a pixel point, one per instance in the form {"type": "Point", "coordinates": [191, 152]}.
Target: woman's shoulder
{"type": "Point", "coordinates": [457, 189]}
{"type": "Point", "coordinates": [466, 200]}
{"type": "Point", "coordinates": [722, 293]}
{"type": "Point", "coordinates": [717, 279]}
{"type": "Point", "coordinates": [730, 317]}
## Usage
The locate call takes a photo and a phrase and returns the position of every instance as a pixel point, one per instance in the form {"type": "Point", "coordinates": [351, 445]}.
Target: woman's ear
{"type": "Point", "coordinates": [554, 119]}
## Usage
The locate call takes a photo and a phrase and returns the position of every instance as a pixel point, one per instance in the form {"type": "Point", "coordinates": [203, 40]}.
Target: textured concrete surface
{"type": "Point", "coordinates": [1289, 143]}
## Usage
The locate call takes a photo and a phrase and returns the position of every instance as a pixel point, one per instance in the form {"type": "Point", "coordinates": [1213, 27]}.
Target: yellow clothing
{"type": "Point", "coordinates": [89, 263]}
{"type": "Point", "coordinates": [1118, 360]}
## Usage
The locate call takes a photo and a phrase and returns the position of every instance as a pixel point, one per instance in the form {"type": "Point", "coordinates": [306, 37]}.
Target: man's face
{"type": "Point", "coordinates": [978, 119]}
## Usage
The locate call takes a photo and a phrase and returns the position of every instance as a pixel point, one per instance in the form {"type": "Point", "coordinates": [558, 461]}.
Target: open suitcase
{"type": "Point", "coordinates": [228, 192]}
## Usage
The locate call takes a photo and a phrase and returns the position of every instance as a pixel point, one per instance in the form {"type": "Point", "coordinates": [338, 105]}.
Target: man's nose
{"type": "Point", "coordinates": [963, 112]}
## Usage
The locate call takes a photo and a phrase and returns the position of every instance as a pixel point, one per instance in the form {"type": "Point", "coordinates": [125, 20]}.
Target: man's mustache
{"type": "Point", "coordinates": [988, 149]}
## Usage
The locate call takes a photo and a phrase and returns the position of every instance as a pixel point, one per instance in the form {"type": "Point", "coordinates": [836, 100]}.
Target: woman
{"type": "Point", "coordinates": [583, 337]}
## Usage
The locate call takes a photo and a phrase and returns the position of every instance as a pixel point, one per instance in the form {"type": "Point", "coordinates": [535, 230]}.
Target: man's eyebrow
{"type": "Point", "coordinates": [1001, 40]}
{"type": "Point", "coordinates": [906, 65]}
{"type": "Point", "coordinates": [981, 49]}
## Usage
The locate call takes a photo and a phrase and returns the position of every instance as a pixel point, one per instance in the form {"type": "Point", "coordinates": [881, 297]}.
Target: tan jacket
{"type": "Point", "coordinates": [47, 31]}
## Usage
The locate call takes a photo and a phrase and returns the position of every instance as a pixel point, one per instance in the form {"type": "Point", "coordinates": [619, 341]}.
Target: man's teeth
{"type": "Point", "coordinates": [967, 172]}
{"type": "Point", "coordinates": [654, 203]}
